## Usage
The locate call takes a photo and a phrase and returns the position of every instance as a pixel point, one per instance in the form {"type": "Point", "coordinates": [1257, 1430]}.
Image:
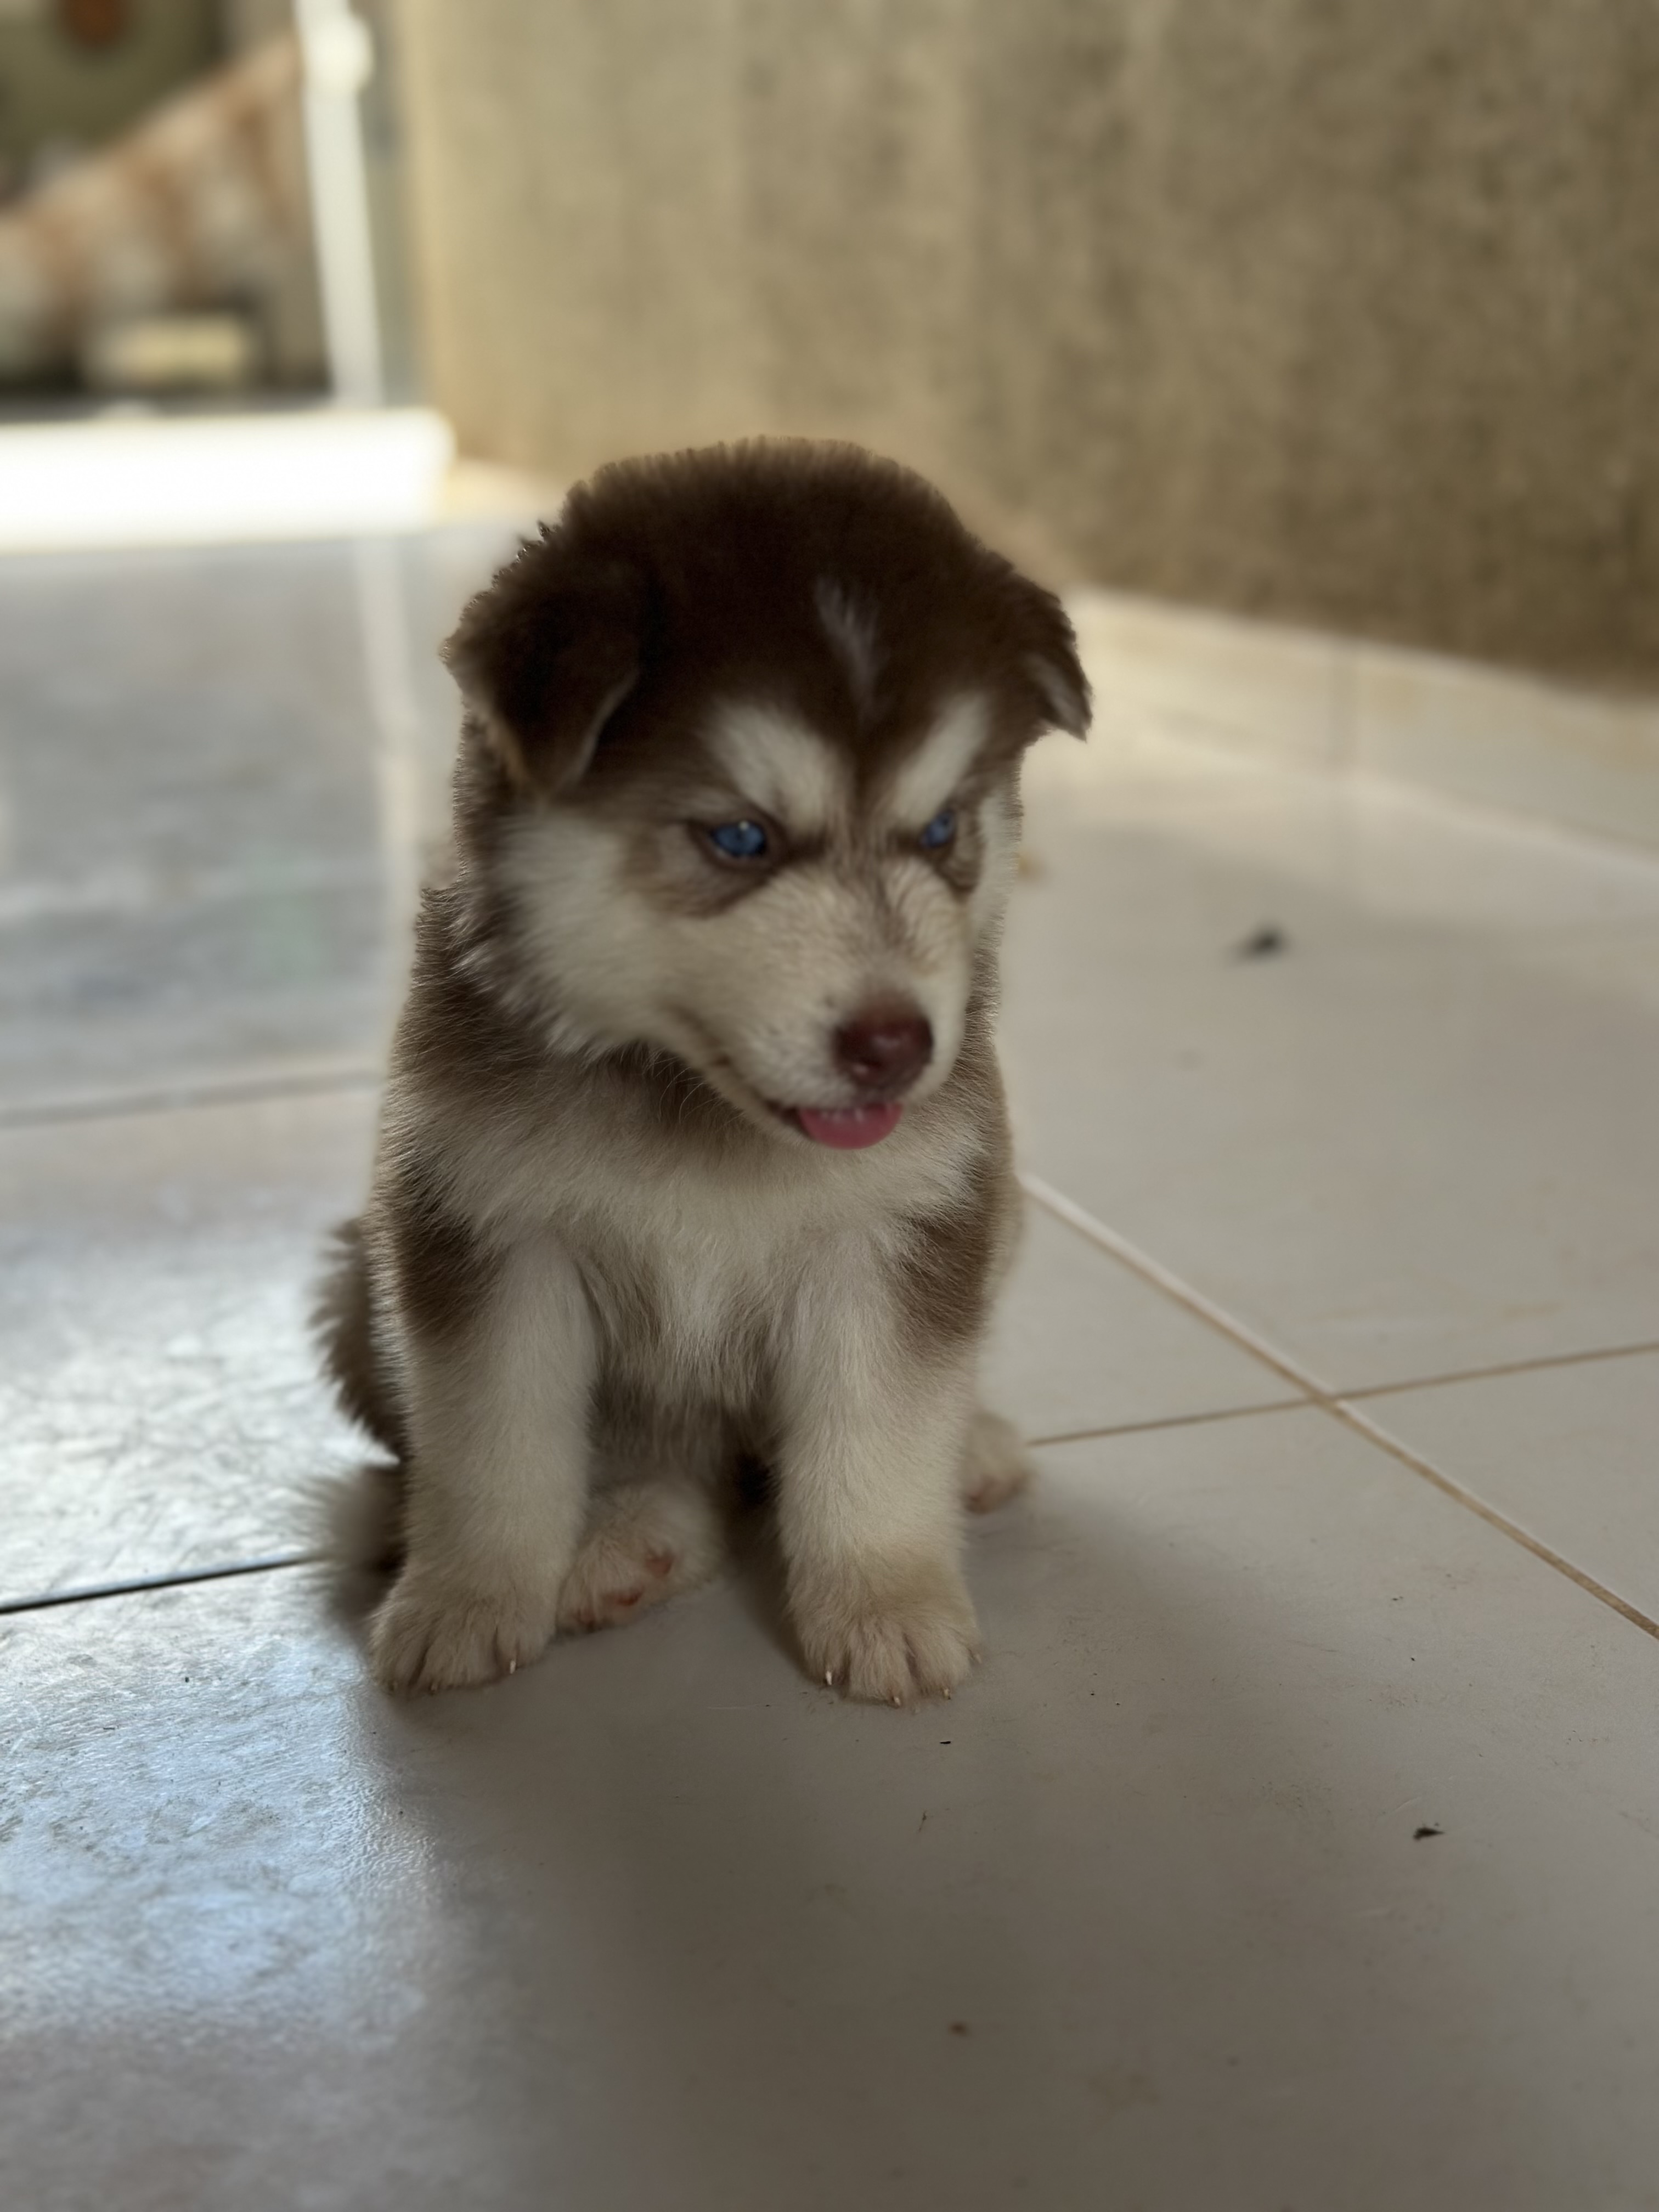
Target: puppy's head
{"type": "Point", "coordinates": [743, 738]}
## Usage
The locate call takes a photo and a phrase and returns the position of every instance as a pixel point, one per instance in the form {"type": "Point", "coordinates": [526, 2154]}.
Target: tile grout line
{"type": "Point", "coordinates": [1362, 1426]}
{"type": "Point", "coordinates": [230, 1091]}
{"type": "Point", "coordinates": [1142, 1264]}
{"type": "Point", "coordinates": [1501, 1368]}
{"type": "Point", "coordinates": [89, 1593]}
{"type": "Point", "coordinates": [1317, 1394]}
{"type": "Point", "coordinates": [1169, 1421]}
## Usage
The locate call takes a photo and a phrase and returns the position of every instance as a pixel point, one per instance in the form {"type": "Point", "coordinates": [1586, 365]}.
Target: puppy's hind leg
{"type": "Point", "coordinates": [342, 1320]}
{"type": "Point", "coordinates": [994, 1467]}
{"type": "Point", "coordinates": [657, 1519]}
{"type": "Point", "coordinates": [644, 1541]}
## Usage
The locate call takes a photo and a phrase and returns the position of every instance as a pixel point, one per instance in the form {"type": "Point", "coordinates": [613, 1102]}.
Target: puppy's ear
{"type": "Point", "coordinates": [1051, 664]}
{"type": "Point", "coordinates": [546, 655]}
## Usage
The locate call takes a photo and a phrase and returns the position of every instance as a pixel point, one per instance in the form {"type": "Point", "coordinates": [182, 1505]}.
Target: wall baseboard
{"type": "Point", "coordinates": [1587, 760]}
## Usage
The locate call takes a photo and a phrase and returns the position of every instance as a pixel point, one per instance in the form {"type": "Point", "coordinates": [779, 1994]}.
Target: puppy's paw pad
{"type": "Point", "coordinates": [994, 1467]}
{"type": "Point", "coordinates": [895, 1645]}
{"type": "Point", "coordinates": [642, 1547]}
{"type": "Point", "coordinates": [582, 1611]}
{"type": "Point", "coordinates": [429, 1634]}
{"type": "Point", "coordinates": [989, 1491]}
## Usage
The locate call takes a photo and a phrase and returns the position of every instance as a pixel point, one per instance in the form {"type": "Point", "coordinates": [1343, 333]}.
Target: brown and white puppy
{"type": "Point", "coordinates": [694, 1146]}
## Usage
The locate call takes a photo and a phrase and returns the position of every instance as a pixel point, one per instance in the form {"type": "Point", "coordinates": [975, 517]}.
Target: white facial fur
{"type": "Point", "coordinates": [751, 995]}
{"type": "Point", "coordinates": [927, 779]}
{"type": "Point", "coordinates": [852, 631]}
{"type": "Point", "coordinates": [779, 767]}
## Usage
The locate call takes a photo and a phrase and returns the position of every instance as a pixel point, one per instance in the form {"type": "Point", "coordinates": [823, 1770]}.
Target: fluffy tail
{"type": "Point", "coordinates": [343, 1319]}
{"type": "Point", "coordinates": [358, 1519]}
{"type": "Point", "coordinates": [356, 1523]}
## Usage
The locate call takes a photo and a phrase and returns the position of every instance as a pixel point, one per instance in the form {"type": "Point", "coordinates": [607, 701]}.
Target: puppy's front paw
{"type": "Point", "coordinates": [890, 1636]}
{"type": "Point", "coordinates": [432, 1632]}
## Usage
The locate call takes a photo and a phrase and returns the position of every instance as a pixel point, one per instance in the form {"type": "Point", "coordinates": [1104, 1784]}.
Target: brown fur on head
{"type": "Point", "coordinates": [796, 637]}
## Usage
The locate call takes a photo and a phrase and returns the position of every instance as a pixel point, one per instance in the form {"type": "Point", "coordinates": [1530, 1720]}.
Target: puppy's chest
{"type": "Point", "coordinates": [693, 1297]}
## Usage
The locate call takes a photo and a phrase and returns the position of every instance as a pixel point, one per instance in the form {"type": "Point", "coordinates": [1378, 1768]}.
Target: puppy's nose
{"type": "Point", "coordinates": [885, 1048]}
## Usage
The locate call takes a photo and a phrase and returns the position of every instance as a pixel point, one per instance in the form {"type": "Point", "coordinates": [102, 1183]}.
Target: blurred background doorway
{"type": "Point", "coordinates": [202, 275]}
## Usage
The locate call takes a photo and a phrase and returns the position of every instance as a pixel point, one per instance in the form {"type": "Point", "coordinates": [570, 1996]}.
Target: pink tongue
{"type": "Point", "coordinates": [848, 1129]}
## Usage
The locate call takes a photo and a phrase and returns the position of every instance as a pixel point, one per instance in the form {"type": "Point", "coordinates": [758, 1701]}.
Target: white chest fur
{"type": "Point", "coordinates": [697, 1268]}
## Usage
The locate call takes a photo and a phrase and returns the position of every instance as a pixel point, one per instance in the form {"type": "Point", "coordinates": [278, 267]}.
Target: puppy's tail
{"type": "Point", "coordinates": [356, 1523]}
{"type": "Point", "coordinates": [358, 1518]}
{"type": "Point", "coordinates": [342, 1320]}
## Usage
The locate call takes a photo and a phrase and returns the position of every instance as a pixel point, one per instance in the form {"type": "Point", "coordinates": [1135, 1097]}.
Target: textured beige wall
{"type": "Point", "coordinates": [1333, 309]}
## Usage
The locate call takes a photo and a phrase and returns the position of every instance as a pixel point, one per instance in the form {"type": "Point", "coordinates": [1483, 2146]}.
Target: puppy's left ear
{"type": "Point", "coordinates": [1050, 663]}
{"type": "Point", "coordinates": [547, 654]}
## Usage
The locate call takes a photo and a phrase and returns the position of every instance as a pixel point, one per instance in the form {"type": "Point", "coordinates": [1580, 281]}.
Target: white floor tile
{"type": "Point", "coordinates": [1508, 739]}
{"type": "Point", "coordinates": [1296, 1845]}
{"type": "Point", "coordinates": [159, 1401]}
{"type": "Point", "coordinates": [217, 769]}
{"type": "Point", "coordinates": [1569, 1454]}
{"type": "Point", "coordinates": [1416, 1140]}
{"type": "Point", "coordinates": [1143, 1917]}
{"type": "Point", "coordinates": [1620, 964]}
{"type": "Point", "coordinates": [1080, 1343]}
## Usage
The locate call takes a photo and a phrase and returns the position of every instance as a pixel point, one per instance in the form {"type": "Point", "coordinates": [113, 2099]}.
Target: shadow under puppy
{"type": "Point", "coordinates": [693, 1144]}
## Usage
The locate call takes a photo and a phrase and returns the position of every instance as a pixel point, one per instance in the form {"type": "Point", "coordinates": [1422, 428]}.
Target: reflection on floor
{"type": "Point", "coordinates": [1297, 1844]}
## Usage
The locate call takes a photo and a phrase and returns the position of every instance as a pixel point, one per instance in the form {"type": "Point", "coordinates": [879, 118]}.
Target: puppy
{"type": "Point", "coordinates": [694, 1146]}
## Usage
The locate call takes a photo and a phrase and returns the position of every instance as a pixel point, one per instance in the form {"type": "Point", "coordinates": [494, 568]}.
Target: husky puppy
{"type": "Point", "coordinates": [694, 1146]}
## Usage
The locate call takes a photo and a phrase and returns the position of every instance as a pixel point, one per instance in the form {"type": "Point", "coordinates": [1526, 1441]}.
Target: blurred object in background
{"type": "Point", "coordinates": [155, 248]}
{"type": "Point", "coordinates": [201, 225]}
{"type": "Point", "coordinates": [337, 63]}
{"type": "Point", "coordinates": [171, 353]}
{"type": "Point", "coordinates": [224, 478]}
{"type": "Point", "coordinates": [77, 73]}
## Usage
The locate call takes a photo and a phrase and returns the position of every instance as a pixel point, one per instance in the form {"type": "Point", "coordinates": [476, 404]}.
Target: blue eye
{"type": "Point", "coordinates": [940, 830]}
{"type": "Point", "coordinates": [739, 840]}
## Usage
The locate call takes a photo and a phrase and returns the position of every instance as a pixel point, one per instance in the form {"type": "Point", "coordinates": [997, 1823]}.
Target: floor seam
{"type": "Point", "coordinates": [1173, 1286]}
{"type": "Point", "coordinates": [181, 1097]}
{"type": "Point", "coordinates": [1501, 1368]}
{"type": "Point", "coordinates": [1360, 1423]}
{"type": "Point", "coordinates": [1340, 1405]}
{"type": "Point", "coordinates": [135, 1586]}
{"type": "Point", "coordinates": [1170, 1421]}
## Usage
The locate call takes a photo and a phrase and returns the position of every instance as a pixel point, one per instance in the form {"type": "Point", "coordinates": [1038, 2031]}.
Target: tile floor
{"type": "Point", "coordinates": [1298, 1844]}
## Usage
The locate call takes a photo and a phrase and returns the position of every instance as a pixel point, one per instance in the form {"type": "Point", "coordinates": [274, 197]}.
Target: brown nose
{"type": "Point", "coordinates": [885, 1048]}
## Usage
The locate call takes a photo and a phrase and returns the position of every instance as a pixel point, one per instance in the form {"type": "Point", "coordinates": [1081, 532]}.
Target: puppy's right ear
{"type": "Point", "coordinates": [546, 655]}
